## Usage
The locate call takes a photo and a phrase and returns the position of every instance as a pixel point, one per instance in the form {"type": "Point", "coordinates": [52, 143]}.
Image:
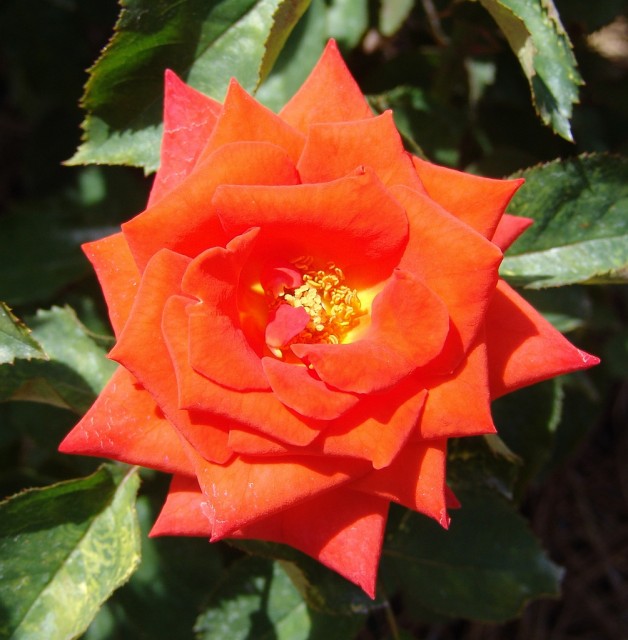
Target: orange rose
{"type": "Point", "coordinates": [304, 314]}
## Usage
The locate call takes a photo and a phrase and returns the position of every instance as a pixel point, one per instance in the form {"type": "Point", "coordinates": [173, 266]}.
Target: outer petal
{"type": "Point", "coordinates": [509, 229]}
{"type": "Point", "coordinates": [141, 349]}
{"type": "Point", "coordinates": [409, 325]}
{"type": "Point", "coordinates": [523, 347]}
{"type": "Point", "coordinates": [184, 512]}
{"type": "Point", "coordinates": [459, 404]}
{"type": "Point", "coordinates": [339, 222]}
{"type": "Point", "coordinates": [189, 118]}
{"type": "Point", "coordinates": [125, 424]}
{"type": "Point", "coordinates": [314, 102]}
{"type": "Point", "coordinates": [479, 202]}
{"type": "Point", "coordinates": [258, 410]}
{"type": "Point", "coordinates": [245, 119]}
{"type": "Point", "coordinates": [118, 275]}
{"type": "Point", "coordinates": [342, 529]}
{"type": "Point", "coordinates": [218, 348]}
{"type": "Point", "coordinates": [244, 491]}
{"type": "Point", "coordinates": [416, 479]}
{"type": "Point", "coordinates": [334, 150]}
{"type": "Point", "coordinates": [455, 262]}
{"type": "Point", "coordinates": [184, 219]}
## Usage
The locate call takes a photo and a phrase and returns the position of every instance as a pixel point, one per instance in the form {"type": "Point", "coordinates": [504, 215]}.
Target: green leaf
{"type": "Point", "coordinates": [16, 340]}
{"type": "Point", "coordinates": [347, 21]}
{"type": "Point", "coordinates": [580, 208]}
{"type": "Point", "coordinates": [536, 35]}
{"type": "Point", "coordinates": [63, 550]}
{"type": "Point", "coordinates": [527, 420]}
{"type": "Point", "coordinates": [486, 567]}
{"type": "Point", "coordinates": [74, 374]}
{"type": "Point", "coordinates": [392, 14]}
{"type": "Point", "coordinates": [206, 43]}
{"type": "Point", "coordinates": [322, 589]}
{"type": "Point", "coordinates": [256, 599]}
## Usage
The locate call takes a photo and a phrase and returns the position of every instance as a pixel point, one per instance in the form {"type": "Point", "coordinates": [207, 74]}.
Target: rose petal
{"type": "Point", "coordinates": [284, 324]}
{"type": "Point", "coordinates": [218, 347]}
{"type": "Point", "coordinates": [184, 220]}
{"type": "Point", "coordinates": [184, 511]}
{"type": "Point", "coordinates": [479, 202]}
{"type": "Point", "coordinates": [125, 424]}
{"type": "Point", "coordinates": [314, 102]}
{"type": "Point", "coordinates": [244, 119]}
{"type": "Point", "coordinates": [408, 328]}
{"type": "Point", "coordinates": [141, 349]}
{"type": "Point", "coordinates": [118, 275]}
{"type": "Point", "coordinates": [252, 443]}
{"type": "Point", "coordinates": [243, 491]}
{"type": "Point", "coordinates": [298, 389]}
{"type": "Point", "coordinates": [415, 479]}
{"type": "Point", "coordinates": [342, 529]}
{"type": "Point", "coordinates": [378, 428]}
{"type": "Point", "coordinates": [253, 409]}
{"type": "Point", "coordinates": [523, 347]}
{"type": "Point", "coordinates": [509, 229]}
{"type": "Point", "coordinates": [333, 150]}
{"type": "Point", "coordinates": [459, 404]}
{"type": "Point", "coordinates": [455, 262]}
{"type": "Point", "coordinates": [340, 221]}
{"type": "Point", "coordinates": [189, 118]}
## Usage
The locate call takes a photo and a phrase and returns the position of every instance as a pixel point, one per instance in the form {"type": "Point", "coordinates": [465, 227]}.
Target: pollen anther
{"type": "Point", "coordinates": [333, 307]}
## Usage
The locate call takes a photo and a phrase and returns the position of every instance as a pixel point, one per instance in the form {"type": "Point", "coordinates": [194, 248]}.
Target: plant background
{"type": "Point", "coordinates": [459, 93]}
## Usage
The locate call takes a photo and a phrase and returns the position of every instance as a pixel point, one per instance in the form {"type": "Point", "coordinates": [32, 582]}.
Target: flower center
{"type": "Point", "coordinates": [333, 307]}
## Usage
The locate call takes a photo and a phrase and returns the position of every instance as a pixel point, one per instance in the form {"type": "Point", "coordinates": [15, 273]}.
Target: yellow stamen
{"type": "Point", "coordinates": [333, 307]}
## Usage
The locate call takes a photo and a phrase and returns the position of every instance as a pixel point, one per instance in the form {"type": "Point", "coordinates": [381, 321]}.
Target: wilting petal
{"type": "Point", "coordinates": [141, 349]}
{"type": "Point", "coordinates": [408, 328]}
{"type": "Point", "coordinates": [125, 424]}
{"type": "Point", "coordinates": [523, 347]}
{"type": "Point", "coordinates": [184, 219]}
{"type": "Point", "coordinates": [509, 229]}
{"type": "Point", "coordinates": [189, 118]}
{"type": "Point", "coordinates": [315, 102]}
{"type": "Point", "coordinates": [479, 202]}
{"type": "Point", "coordinates": [340, 221]}
{"type": "Point", "coordinates": [244, 119]}
{"type": "Point", "coordinates": [343, 529]}
{"type": "Point", "coordinates": [415, 479]}
{"type": "Point", "coordinates": [455, 262]}
{"type": "Point", "coordinates": [298, 389]}
{"type": "Point", "coordinates": [118, 275]}
{"type": "Point", "coordinates": [334, 150]}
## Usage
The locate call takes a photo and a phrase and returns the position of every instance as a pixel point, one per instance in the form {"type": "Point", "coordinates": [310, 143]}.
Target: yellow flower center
{"type": "Point", "coordinates": [333, 307]}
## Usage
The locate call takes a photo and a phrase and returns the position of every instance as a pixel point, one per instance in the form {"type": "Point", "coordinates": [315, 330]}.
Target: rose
{"type": "Point", "coordinates": [304, 314]}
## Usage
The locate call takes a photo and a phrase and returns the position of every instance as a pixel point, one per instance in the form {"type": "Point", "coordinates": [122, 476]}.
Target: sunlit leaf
{"type": "Point", "coordinates": [256, 599]}
{"type": "Point", "coordinates": [536, 35]}
{"type": "Point", "coordinates": [63, 550]}
{"type": "Point", "coordinates": [580, 208]}
{"type": "Point", "coordinates": [75, 372]}
{"type": "Point", "coordinates": [16, 340]}
{"type": "Point", "coordinates": [206, 43]}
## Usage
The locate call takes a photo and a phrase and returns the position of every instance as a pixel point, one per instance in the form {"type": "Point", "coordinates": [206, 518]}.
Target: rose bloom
{"type": "Point", "coordinates": [305, 313]}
